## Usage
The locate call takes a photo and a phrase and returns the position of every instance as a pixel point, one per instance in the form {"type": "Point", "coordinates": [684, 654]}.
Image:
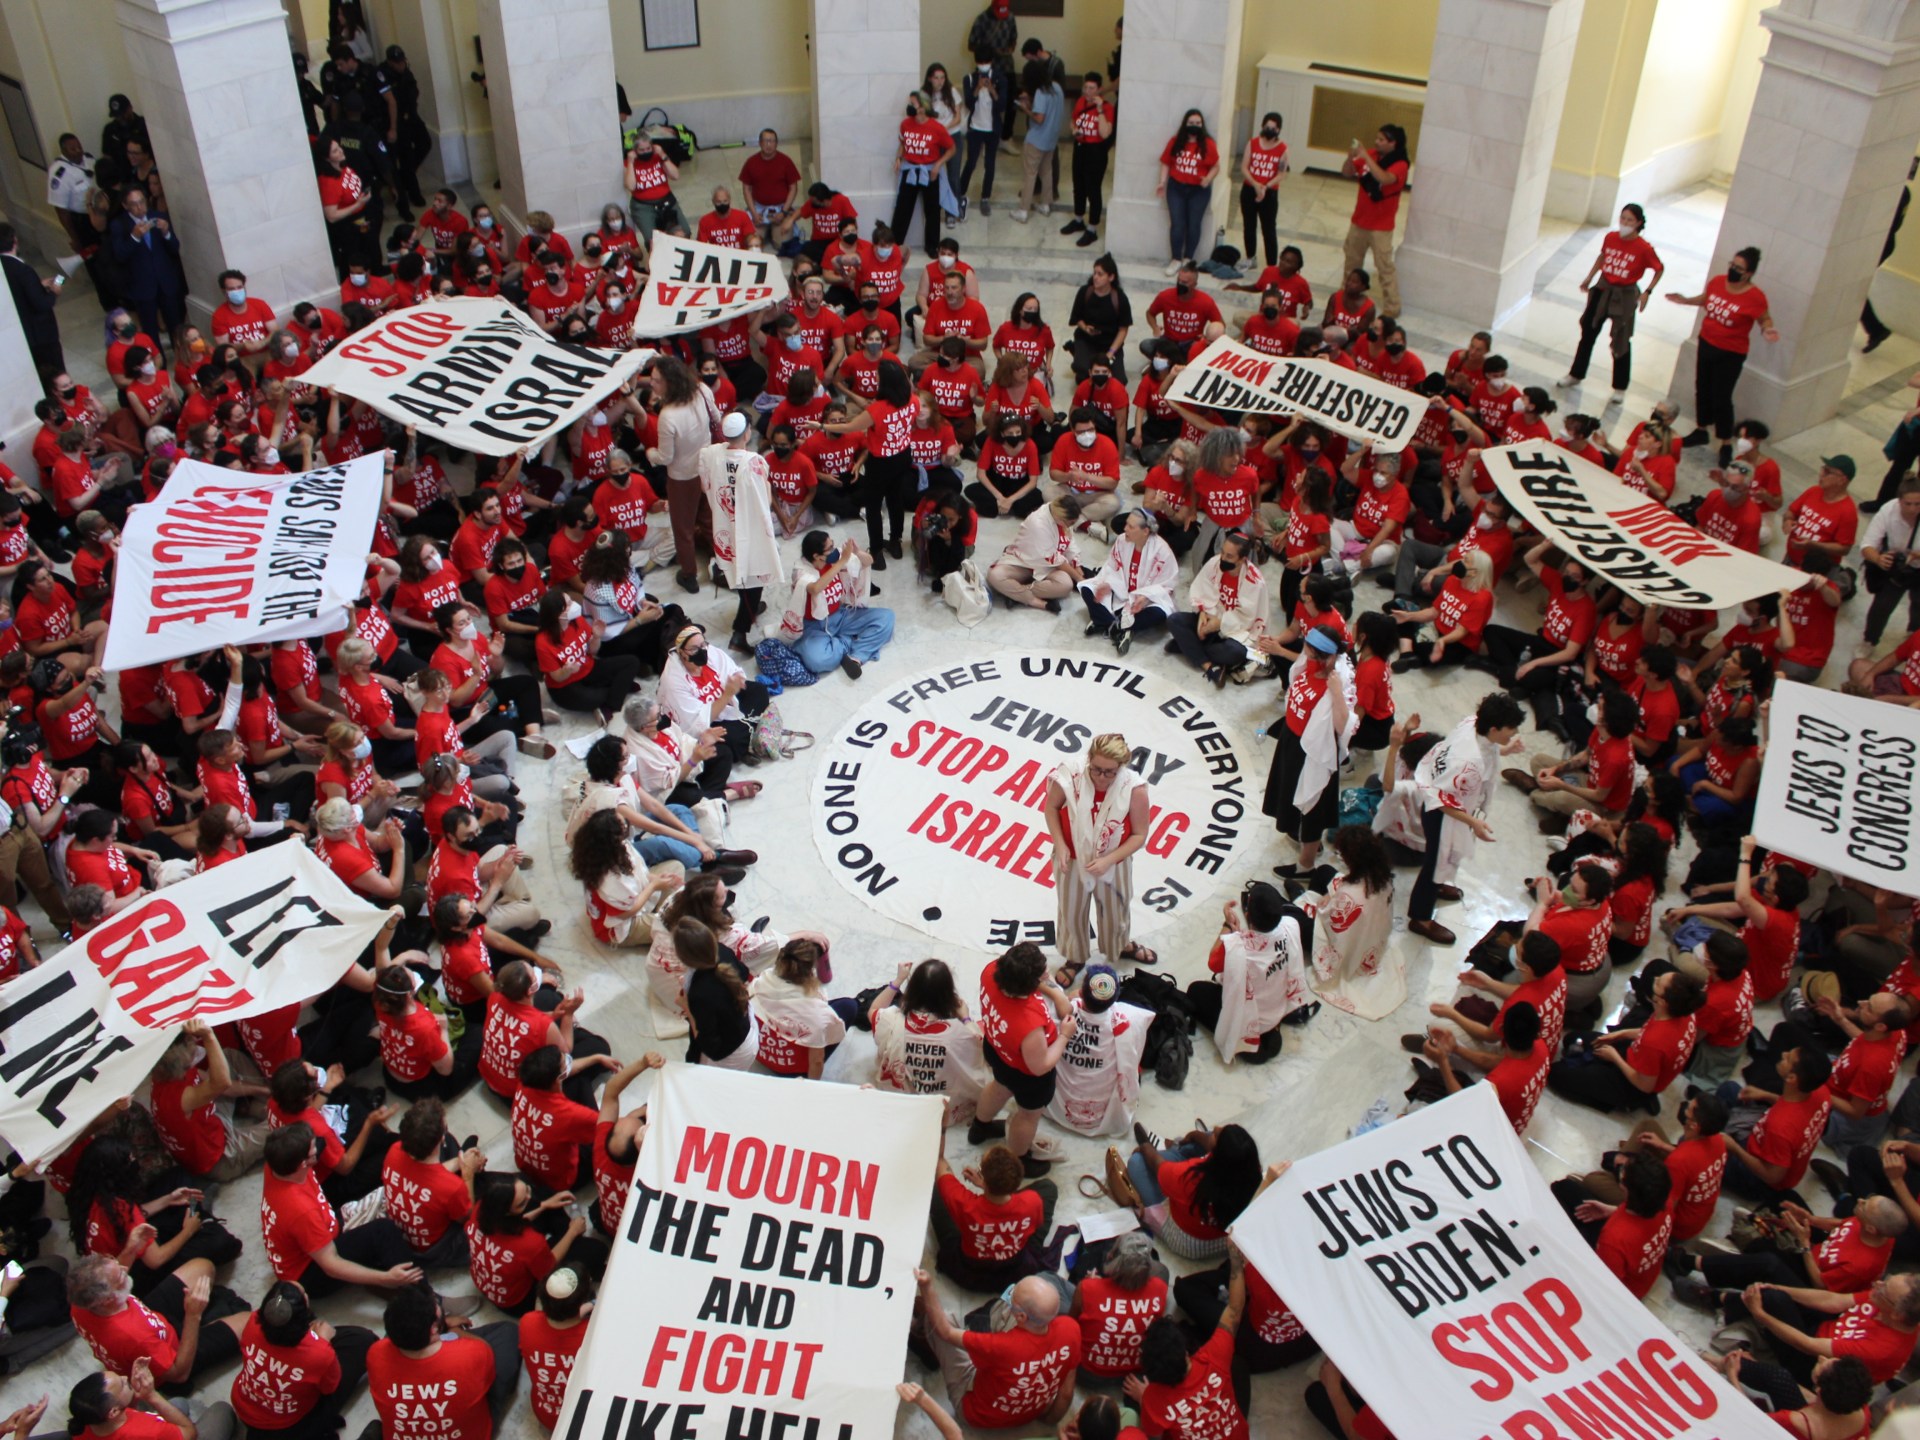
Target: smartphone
{"type": "Point", "coordinates": [11, 1270]}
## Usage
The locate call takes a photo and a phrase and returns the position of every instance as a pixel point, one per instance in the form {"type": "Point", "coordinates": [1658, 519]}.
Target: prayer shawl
{"type": "Point", "coordinates": [926, 1055]}
{"type": "Point", "coordinates": [1148, 572]}
{"type": "Point", "coordinates": [801, 1018]}
{"type": "Point", "coordinates": [1247, 620]}
{"type": "Point", "coordinates": [1098, 1078]}
{"type": "Point", "coordinates": [1095, 833]}
{"type": "Point", "coordinates": [1041, 545]}
{"type": "Point", "coordinates": [1262, 981]}
{"type": "Point", "coordinates": [689, 697]}
{"type": "Point", "coordinates": [735, 484]}
{"type": "Point", "coordinates": [1322, 751]}
{"type": "Point", "coordinates": [793, 617]}
{"type": "Point", "coordinates": [1353, 968]}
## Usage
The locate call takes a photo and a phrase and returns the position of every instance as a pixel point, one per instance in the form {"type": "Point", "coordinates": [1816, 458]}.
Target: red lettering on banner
{"type": "Point", "coordinates": [1666, 533]}
{"type": "Point", "coordinates": [753, 1168]}
{"type": "Point", "coordinates": [721, 1364]}
{"type": "Point", "coordinates": [366, 349]}
{"type": "Point", "coordinates": [1242, 367]}
{"type": "Point", "coordinates": [140, 932]}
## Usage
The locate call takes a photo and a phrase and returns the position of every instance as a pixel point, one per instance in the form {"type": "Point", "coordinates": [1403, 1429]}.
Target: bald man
{"type": "Point", "coordinates": [1841, 1256]}
{"type": "Point", "coordinates": [1020, 1376]}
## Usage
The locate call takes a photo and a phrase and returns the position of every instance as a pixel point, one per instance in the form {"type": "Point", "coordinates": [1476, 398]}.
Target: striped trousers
{"type": "Point", "coordinates": [1110, 899]}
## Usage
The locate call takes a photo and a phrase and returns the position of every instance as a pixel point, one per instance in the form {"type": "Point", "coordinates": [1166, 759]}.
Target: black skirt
{"type": "Point", "coordinates": [1308, 825]}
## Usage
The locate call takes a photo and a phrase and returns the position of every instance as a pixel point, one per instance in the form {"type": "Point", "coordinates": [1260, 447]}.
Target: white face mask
{"type": "Point", "coordinates": [1380, 481]}
{"type": "Point", "coordinates": [616, 223]}
{"type": "Point", "coordinates": [433, 563]}
{"type": "Point", "coordinates": [1742, 446]}
{"type": "Point", "coordinates": [1085, 438]}
{"type": "Point", "coordinates": [271, 456]}
{"type": "Point", "coordinates": [148, 370]}
{"type": "Point", "coordinates": [599, 421]}
{"type": "Point", "coordinates": [237, 297]}
{"type": "Point", "coordinates": [632, 762]}
{"type": "Point", "coordinates": [947, 262]}
{"type": "Point", "coordinates": [363, 749]}
{"type": "Point", "coordinates": [1174, 467]}
{"type": "Point", "coordinates": [1160, 362]}
{"type": "Point", "coordinates": [1485, 522]}
{"type": "Point", "coordinates": [359, 815]}
{"type": "Point", "coordinates": [616, 303]}
{"type": "Point", "coordinates": [289, 352]}
{"type": "Point", "coordinates": [468, 630]}
{"type": "Point", "coordinates": [569, 613]}
{"type": "Point", "coordinates": [465, 771]}
{"type": "Point", "coordinates": [1519, 404]}
{"type": "Point", "coordinates": [1628, 229]}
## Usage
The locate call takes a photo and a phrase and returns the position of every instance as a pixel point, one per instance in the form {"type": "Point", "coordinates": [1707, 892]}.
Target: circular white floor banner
{"type": "Point", "coordinates": [928, 803]}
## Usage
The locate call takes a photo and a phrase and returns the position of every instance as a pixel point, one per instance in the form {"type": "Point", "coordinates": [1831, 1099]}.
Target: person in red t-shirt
{"type": "Point", "coordinates": [1023, 1375]}
{"type": "Point", "coordinates": [1189, 1392]}
{"type": "Point", "coordinates": [1187, 166]}
{"type": "Point", "coordinates": [1185, 314]}
{"type": "Point", "coordinates": [300, 1229]}
{"type": "Point", "coordinates": [1382, 175]}
{"type": "Point", "coordinates": [1518, 1074]}
{"type": "Point", "coordinates": [1615, 297]}
{"type": "Point", "coordinates": [1628, 1069]}
{"type": "Point", "coordinates": [1733, 307]}
{"type": "Point", "coordinates": [1824, 517]}
{"type": "Point", "coordinates": [507, 1240]}
{"type": "Point", "coordinates": [989, 1224]}
{"type": "Point", "coordinates": [1876, 1326]}
{"type": "Point", "coordinates": [426, 1351]}
{"type": "Point", "coordinates": [103, 1405]}
{"type": "Point", "coordinates": [429, 1185]}
{"type": "Point", "coordinates": [551, 1337]}
{"type": "Point", "coordinates": [186, 1327]}
{"type": "Point", "coordinates": [923, 148]}
{"type": "Point", "coordinates": [297, 1371]}
{"type": "Point", "coordinates": [1771, 1159]}
{"type": "Point", "coordinates": [1630, 1238]}
{"type": "Point", "coordinates": [1459, 612]}
{"type": "Point", "coordinates": [1027, 1024]}
{"type": "Point", "coordinates": [553, 1133]}
{"type": "Point", "coordinates": [772, 183]}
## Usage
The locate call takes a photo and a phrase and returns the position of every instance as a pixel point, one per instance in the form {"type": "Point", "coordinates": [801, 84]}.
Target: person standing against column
{"type": "Point", "coordinates": [1262, 169]}
{"type": "Point", "coordinates": [924, 143]}
{"type": "Point", "coordinates": [34, 298]}
{"type": "Point", "coordinates": [1615, 297]}
{"type": "Point", "coordinates": [1734, 305]}
{"type": "Point", "coordinates": [1187, 166]}
{"type": "Point", "coordinates": [1382, 173]}
{"type": "Point", "coordinates": [1097, 814]}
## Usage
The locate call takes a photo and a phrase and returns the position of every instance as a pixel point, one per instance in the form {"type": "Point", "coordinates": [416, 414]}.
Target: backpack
{"type": "Point", "coordinates": [966, 591]}
{"type": "Point", "coordinates": [778, 663]}
{"type": "Point", "coordinates": [1176, 1054]}
{"type": "Point", "coordinates": [1171, 1028]}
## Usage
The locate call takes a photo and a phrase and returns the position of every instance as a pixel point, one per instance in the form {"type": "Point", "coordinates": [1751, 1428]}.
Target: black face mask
{"type": "Point", "coordinates": [1397, 348]}
{"type": "Point", "coordinates": [1032, 317]}
{"type": "Point", "coordinates": [1099, 380]}
{"type": "Point", "coordinates": [470, 844]}
{"type": "Point", "coordinates": [1227, 567]}
{"type": "Point", "coordinates": [514, 572]}
{"type": "Point", "coordinates": [1271, 133]}
{"type": "Point", "coordinates": [1182, 288]}
{"type": "Point", "coordinates": [554, 277]}
{"type": "Point", "coordinates": [1735, 274]}
{"type": "Point", "coordinates": [710, 380]}
{"type": "Point", "coordinates": [721, 209]}
{"type": "Point", "coordinates": [70, 392]}
{"type": "Point", "coordinates": [869, 305]}
{"type": "Point", "coordinates": [697, 658]}
{"type": "Point", "coordinates": [851, 237]}
{"type": "Point", "coordinates": [1272, 312]}
{"type": "Point", "coordinates": [783, 451]}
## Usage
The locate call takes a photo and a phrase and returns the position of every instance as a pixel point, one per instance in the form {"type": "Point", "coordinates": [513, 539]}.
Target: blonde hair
{"type": "Point", "coordinates": [1111, 746]}
{"type": "Point", "coordinates": [1479, 574]}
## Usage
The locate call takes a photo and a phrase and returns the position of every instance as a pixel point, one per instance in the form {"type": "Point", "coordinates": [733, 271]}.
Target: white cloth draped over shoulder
{"type": "Point", "coordinates": [689, 697]}
{"type": "Point", "coordinates": [735, 484]}
{"type": "Point", "coordinates": [1096, 829]}
{"type": "Point", "coordinates": [857, 579]}
{"type": "Point", "coordinates": [1148, 571]}
{"type": "Point", "coordinates": [1097, 1080]}
{"type": "Point", "coordinates": [1354, 968]}
{"type": "Point", "coordinates": [1042, 545]}
{"type": "Point", "coordinates": [1246, 619]}
{"type": "Point", "coordinates": [922, 1054]}
{"type": "Point", "coordinates": [1323, 750]}
{"type": "Point", "coordinates": [1262, 981]}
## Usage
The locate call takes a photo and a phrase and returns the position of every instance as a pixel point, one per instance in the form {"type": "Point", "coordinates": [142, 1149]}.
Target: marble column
{"type": "Point", "coordinates": [866, 60]}
{"type": "Point", "coordinates": [556, 124]}
{"type": "Point", "coordinates": [213, 80]}
{"type": "Point", "coordinates": [1191, 50]}
{"type": "Point", "coordinates": [1479, 183]}
{"type": "Point", "coordinates": [1835, 122]}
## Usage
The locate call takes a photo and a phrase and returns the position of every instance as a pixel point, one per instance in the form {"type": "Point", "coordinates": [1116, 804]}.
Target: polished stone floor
{"type": "Point", "coordinates": [1334, 1068]}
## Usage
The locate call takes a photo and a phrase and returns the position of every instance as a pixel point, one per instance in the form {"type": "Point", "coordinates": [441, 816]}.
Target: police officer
{"type": "Point", "coordinates": [408, 140]}
{"type": "Point", "coordinates": [69, 183]}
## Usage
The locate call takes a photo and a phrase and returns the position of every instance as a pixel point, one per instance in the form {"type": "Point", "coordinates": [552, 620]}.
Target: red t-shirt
{"type": "Point", "coordinates": [1623, 261]}
{"type": "Point", "coordinates": [1727, 320]}
{"type": "Point", "coordinates": [1770, 951]}
{"type": "Point", "coordinates": [1661, 1050]}
{"type": "Point", "coordinates": [514, 1030]}
{"type": "Point", "coordinates": [295, 1221]}
{"type": "Point", "coordinates": [1191, 160]}
{"type": "Point", "coordinates": [1178, 1181]}
{"type": "Point", "coordinates": [1863, 1335]}
{"type": "Point", "coordinates": [411, 1044]}
{"type": "Point", "coordinates": [424, 1198]}
{"type": "Point", "coordinates": [507, 1266]}
{"type": "Point", "coordinates": [1866, 1071]}
{"type": "Point", "coordinates": [1018, 1373]}
{"type": "Point", "coordinates": [1519, 1082]}
{"type": "Point", "coordinates": [1184, 317]}
{"type": "Point", "coordinates": [1006, 1021]}
{"type": "Point", "coordinates": [280, 1384]}
{"type": "Point", "coordinates": [1847, 1263]}
{"type": "Point", "coordinates": [443, 1397]}
{"type": "Point", "coordinates": [119, 1339]}
{"type": "Point", "coordinates": [1788, 1133]}
{"type": "Point", "coordinates": [1201, 1406]}
{"type": "Point", "coordinates": [611, 1177]}
{"type": "Point", "coordinates": [195, 1138]}
{"type": "Point", "coordinates": [1728, 1014]}
{"type": "Point", "coordinates": [1381, 214]}
{"type": "Point", "coordinates": [1696, 1168]}
{"type": "Point", "coordinates": [546, 1354]}
{"type": "Point", "coordinates": [990, 1232]}
{"type": "Point", "coordinates": [1817, 520]}
{"type": "Point", "coordinates": [1112, 1322]}
{"type": "Point", "coordinates": [1632, 1247]}
{"type": "Point", "coordinates": [548, 1130]}
{"type": "Point", "coordinates": [768, 181]}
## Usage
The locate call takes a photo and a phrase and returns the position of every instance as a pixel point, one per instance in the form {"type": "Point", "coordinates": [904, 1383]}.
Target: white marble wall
{"type": "Point", "coordinates": [1181, 55]}
{"type": "Point", "coordinates": [213, 80]}
{"type": "Point", "coordinates": [866, 60]}
{"type": "Point", "coordinates": [1499, 82]}
{"type": "Point", "coordinates": [556, 127]}
{"type": "Point", "coordinates": [1816, 193]}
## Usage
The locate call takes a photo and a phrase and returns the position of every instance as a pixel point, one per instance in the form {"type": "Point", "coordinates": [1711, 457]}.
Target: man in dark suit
{"type": "Point", "coordinates": [34, 298]}
{"type": "Point", "coordinates": [148, 254]}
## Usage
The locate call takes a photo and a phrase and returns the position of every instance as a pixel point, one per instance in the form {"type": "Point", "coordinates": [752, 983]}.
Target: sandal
{"type": "Point", "coordinates": [1068, 974]}
{"type": "Point", "coordinates": [1140, 954]}
{"type": "Point", "coordinates": [743, 789]}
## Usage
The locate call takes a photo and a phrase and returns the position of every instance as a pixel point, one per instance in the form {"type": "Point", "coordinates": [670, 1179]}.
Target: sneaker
{"type": "Point", "coordinates": [981, 1131]}
{"type": "Point", "coordinates": [1173, 268]}
{"type": "Point", "coordinates": [363, 1211]}
{"type": "Point", "coordinates": [851, 666]}
{"type": "Point", "coordinates": [1565, 382]}
{"type": "Point", "coordinates": [1143, 1136]}
{"type": "Point", "coordinates": [1092, 237]}
{"type": "Point", "coordinates": [1692, 1290]}
{"type": "Point", "coordinates": [1619, 397]}
{"type": "Point", "coordinates": [963, 208]}
{"type": "Point", "coordinates": [1034, 1168]}
{"type": "Point", "coordinates": [986, 206]}
{"type": "Point", "coordinates": [457, 1307]}
{"type": "Point", "coordinates": [1046, 209]}
{"type": "Point", "coordinates": [536, 746]}
{"type": "Point", "coordinates": [1831, 1176]}
{"type": "Point", "coordinates": [1099, 530]}
{"type": "Point", "coordinates": [1073, 226]}
{"type": "Point", "coordinates": [1020, 217]}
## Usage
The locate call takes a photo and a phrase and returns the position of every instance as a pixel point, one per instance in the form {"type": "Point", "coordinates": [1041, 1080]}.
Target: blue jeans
{"type": "Point", "coordinates": [1708, 807]}
{"type": "Point", "coordinates": [653, 849]}
{"type": "Point", "coordinates": [861, 633]}
{"type": "Point", "coordinates": [1187, 208]}
{"type": "Point", "coordinates": [1143, 1181]}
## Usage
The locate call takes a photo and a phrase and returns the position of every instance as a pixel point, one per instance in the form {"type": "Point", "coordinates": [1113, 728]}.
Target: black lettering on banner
{"type": "Point", "coordinates": [56, 1053]}
{"type": "Point", "coordinates": [224, 919]}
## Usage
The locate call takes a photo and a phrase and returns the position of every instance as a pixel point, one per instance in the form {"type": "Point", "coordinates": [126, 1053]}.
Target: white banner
{"type": "Point", "coordinates": [475, 373]}
{"type": "Point", "coordinates": [1839, 785]}
{"type": "Point", "coordinates": [84, 1029]}
{"type": "Point", "coordinates": [691, 285]}
{"type": "Point", "coordinates": [1228, 376]}
{"type": "Point", "coordinates": [221, 557]}
{"type": "Point", "coordinates": [1627, 537]}
{"type": "Point", "coordinates": [927, 805]}
{"type": "Point", "coordinates": [1434, 1240]}
{"type": "Point", "coordinates": [762, 1280]}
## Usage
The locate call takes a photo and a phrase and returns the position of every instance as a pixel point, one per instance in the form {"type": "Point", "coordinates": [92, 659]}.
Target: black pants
{"type": "Point", "coordinates": [503, 1338]}
{"type": "Point", "coordinates": [605, 687]}
{"type": "Point", "coordinates": [1886, 600]}
{"type": "Point", "coordinates": [378, 1245]}
{"type": "Point", "coordinates": [1216, 649]}
{"type": "Point", "coordinates": [1150, 617]}
{"type": "Point", "coordinates": [350, 1343]}
{"type": "Point", "coordinates": [1421, 901]}
{"type": "Point", "coordinates": [519, 694]}
{"type": "Point", "coordinates": [979, 142]}
{"type": "Point", "coordinates": [753, 699]}
{"type": "Point", "coordinates": [928, 198]}
{"type": "Point", "coordinates": [1592, 321]}
{"type": "Point", "coordinates": [1265, 211]}
{"type": "Point", "coordinates": [1089, 173]}
{"type": "Point", "coordinates": [342, 1031]}
{"type": "Point", "coordinates": [219, 1345]}
{"type": "Point", "coordinates": [466, 1069]}
{"type": "Point", "coordinates": [745, 611]}
{"type": "Point", "coordinates": [1715, 373]}
{"type": "Point", "coordinates": [1088, 352]}
{"type": "Point", "coordinates": [1320, 1406]}
{"type": "Point", "coordinates": [988, 502]}
{"type": "Point", "coordinates": [889, 487]}
{"type": "Point", "coordinates": [1597, 1084]}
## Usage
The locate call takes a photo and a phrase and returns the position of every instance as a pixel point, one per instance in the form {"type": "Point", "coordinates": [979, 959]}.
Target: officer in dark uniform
{"type": "Point", "coordinates": [344, 74]}
{"type": "Point", "coordinates": [409, 141]}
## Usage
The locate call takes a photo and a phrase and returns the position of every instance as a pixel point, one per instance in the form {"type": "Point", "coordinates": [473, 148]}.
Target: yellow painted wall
{"type": "Point", "coordinates": [1607, 61]}
{"type": "Point", "coordinates": [1394, 37]}
{"type": "Point", "coordinates": [1083, 36]}
{"type": "Point", "coordinates": [747, 47]}
{"type": "Point", "coordinates": [1683, 86]}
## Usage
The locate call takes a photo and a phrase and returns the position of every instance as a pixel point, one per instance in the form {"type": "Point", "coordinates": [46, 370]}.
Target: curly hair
{"type": "Point", "coordinates": [600, 849]}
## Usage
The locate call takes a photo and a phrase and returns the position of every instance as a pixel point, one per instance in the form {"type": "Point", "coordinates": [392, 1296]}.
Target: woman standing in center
{"type": "Point", "coordinates": [1097, 815]}
{"type": "Point", "coordinates": [1187, 167]}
